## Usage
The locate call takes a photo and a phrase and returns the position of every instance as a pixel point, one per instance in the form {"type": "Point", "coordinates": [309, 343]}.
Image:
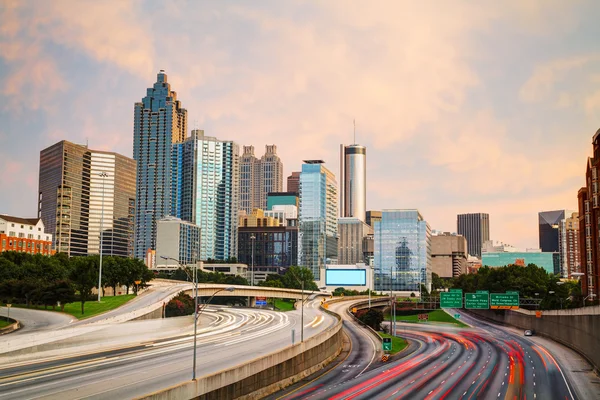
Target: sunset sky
{"type": "Point", "coordinates": [463, 106]}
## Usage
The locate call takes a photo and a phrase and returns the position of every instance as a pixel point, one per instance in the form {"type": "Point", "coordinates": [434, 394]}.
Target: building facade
{"type": "Point", "coordinates": [402, 256]}
{"type": "Point", "coordinates": [282, 199]}
{"type": "Point", "coordinates": [258, 177]}
{"type": "Point", "coordinates": [275, 248]}
{"type": "Point", "coordinates": [293, 182]}
{"type": "Point", "coordinates": [476, 229]}
{"type": "Point", "coordinates": [286, 214]}
{"type": "Point", "coordinates": [589, 224]}
{"type": "Point", "coordinates": [25, 235]}
{"type": "Point", "coordinates": [317, 217]}
{"type": "Point", "coordinates": [351, 235]}
{"type": "Point", "coordinates": [209, 173]}
{"type": "Point", "coordinates": [257, 219]}
{"type": "Point", "coordinates": [549, 261]}
{"type": "Point", "coordinates": [159, 121]}
{"type": "Point", "coordinates": [176, 240]}
{"type": "Point", "coordinates": [86, 195]}
{"type": "Point", "coordinates": [373, 216]}
{"type": "Point", "coordinates": [552, 235]}
{"type": "Point", "coordinates": [353, 181]}
{"type": "Point", "coordinates": [448, 255]}
{"type": "Point", "coordinates": [569, 235]}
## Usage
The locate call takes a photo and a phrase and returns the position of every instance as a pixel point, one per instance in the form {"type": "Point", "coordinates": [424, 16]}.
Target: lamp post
{"type": "Point", "coordinates": [252, 238]}
{"type": "Point", "coordinates": [103, 175]}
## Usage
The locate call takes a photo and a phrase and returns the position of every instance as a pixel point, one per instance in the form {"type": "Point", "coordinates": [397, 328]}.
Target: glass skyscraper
{"type": "Point", "coordinates": [317, 217]}
{"type": "Point", "coordinates": [159, 121]}
{"type": "Point", "coordinates": [206, 191]}
{"type": "Point", "coordinates": [402, 254]}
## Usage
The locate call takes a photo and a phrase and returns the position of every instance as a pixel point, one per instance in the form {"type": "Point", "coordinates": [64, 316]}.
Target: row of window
{"type": "Point", "coordinates": [20, 244]}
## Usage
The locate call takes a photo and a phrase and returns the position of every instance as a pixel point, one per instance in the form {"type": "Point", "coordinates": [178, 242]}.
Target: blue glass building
{"type": "Point", "coordinates": [317, 220]}
{"type": "Point", "coordinates": [206, 190]}
{"type": "Point", "coordinates": [402, 254]}
{"type": "Point", "coordinates": [159, 121]}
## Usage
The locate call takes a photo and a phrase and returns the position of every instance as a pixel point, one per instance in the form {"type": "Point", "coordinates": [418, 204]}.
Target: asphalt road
{"type": "Point", "coordinates": [443, 362]}
{"type": "Point", "coordinates": [37, 320]}
{"type": "Point", "coordinates": [234, 335]}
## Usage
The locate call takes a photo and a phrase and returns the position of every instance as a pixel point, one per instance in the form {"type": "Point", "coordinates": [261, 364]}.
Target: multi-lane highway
{"type": "Point", "coordinates": [232, 336]}
{"type": "Point", "coordinates": [483, 362]}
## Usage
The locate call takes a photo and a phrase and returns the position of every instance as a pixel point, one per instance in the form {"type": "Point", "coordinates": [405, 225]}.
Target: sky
{"type": "Point", "coordinates": [463, 106]}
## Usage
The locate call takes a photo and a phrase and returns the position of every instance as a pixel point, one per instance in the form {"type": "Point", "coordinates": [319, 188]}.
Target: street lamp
{"type": "Point", "coordinates": [103, 175]}
{"type": "Point", "coordinates": [252, 238]}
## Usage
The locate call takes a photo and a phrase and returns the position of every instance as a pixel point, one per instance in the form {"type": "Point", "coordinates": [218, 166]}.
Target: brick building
{"type": "Point", "coordinates": [24, 235]}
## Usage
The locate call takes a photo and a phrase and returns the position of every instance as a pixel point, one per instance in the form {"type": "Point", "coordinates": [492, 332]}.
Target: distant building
{"type": "Point", "coordinates": [83, 192]}
{"type": "Point", "coordinates": [589, 215]}
{"type": "Point", "coordinates": [402, 257]}
{"type": "Point", "coordinates": [293, 182]}
{"type": "Point", "coordinates": [448, 255]}
{"type": "Point", "coordinates": [373, 216]}
{"type": "Point", "coordinates": [351, 234]}
{"type": "Point", "coordinates": [369, 249]}
{"type": "Point", "coordinates": [476, 229]}
{"type": "Point", "coordinates": [353, 181]}
{"type": "Point", "coordinates": [317, 217]}
{"type": "Point", "coordinates": [552, 234]}
{"type": "Point", "coordinates": [25, 235]}
{"type": "Point", "coordinates": [206, 185]}
{"type": "Point", "coordinates": [473, 264]}
{"type": "Point", "coordinates": [259, 177]}
{"type": "Point", "coordinates": [549, 261]}
{"type": "Point", "coordinates": [257, 219]}
{"type": "Point", "coordinates": [237, 269]}
{"type": "Point", "coordinates": [495, 246]}
{"type": "Point", "coordinates": [159, 121]}
{"type": "Point", "coordinates": [176, 240]}
{"type": "Point", "coordinates": [282, 199]}
{"type": "Point", "coordinates": [569, 235]}
{"type": "Point", "coordinates": [287, 215]}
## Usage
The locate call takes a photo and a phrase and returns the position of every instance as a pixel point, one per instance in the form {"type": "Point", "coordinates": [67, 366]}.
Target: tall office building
{"type": "Point", "coordinates": [317, 216]}
{"type": "Point", "coordinates": [402, 254]}
{"type": "Point", "coordinates": [258, 177]}
{"type": "Point", "coordinates": [176, 240]}
{"type": "Point", "coordinates": [353, 181]}
{"type": "Point", "coordinates": [351, 234]}
{"type": "Point", "coordinates": [82, 192]}
{"type": "Point", "coordinates": [476, 229]}
{"type": "Point", "coordinates": [293, 182]}
{"type": "Point", "coordinates": [209, 173]}
{"type": "Point", "coordinates": [448, 255]}
{"type": "Point", "coordinates": [159, 121]}
{"type": "Point", "coordinates": [589, 215]}
{"type": "Point", "coordinates": [373, 216]}
{"type": "Point", "coordinates": [569, 235]}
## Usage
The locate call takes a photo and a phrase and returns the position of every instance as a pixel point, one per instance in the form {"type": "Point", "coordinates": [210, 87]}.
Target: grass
{"type": "Point", "coordinates": [283, 304]}
{"type": "Point", "coordinates": [434, 316]}
{"type": "Point", "coordinates": [4, 324]}
{"type": "Point", "coordinates": [91, 308]}
{"type": "Point", "coordinates": [398, 343]}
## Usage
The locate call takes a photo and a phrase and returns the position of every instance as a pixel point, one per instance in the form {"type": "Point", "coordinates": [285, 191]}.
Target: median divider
{"type": "Point", "coordinates": [11, 328]}
{"type": "Point", "coordinates": [264, 375]}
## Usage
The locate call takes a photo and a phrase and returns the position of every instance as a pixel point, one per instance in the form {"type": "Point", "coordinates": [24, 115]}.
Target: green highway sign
{"type": "Point", "coordinates": [456, 290]}
{"type": "Point", "coordinates": [483, 291]}
{"type": "Point", "coordinates": [479, 301]}
{"type": "Point", "coordinates": [504, 301]}
{"type": "Point", "coordinates": [452, 299]}
{"type": "Point", "coordinates": [387, 344]}
{"type": "Point", "coordinates": [457, 316]}
{"type": "Point", "coordinates": [512, 291]}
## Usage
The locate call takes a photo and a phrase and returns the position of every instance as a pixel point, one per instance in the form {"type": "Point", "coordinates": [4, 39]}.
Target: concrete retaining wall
{"type": "Point", "coordinates": [569, 327]}
{"type": "Point", "coordinates": [11, 328]}
{"type": "Point", "coordinates": [263, 375]}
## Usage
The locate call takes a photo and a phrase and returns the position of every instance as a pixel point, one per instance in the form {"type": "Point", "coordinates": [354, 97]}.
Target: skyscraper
{"type": "Point", "coordinates": [210, 174]}
{"type": "Point", "coordinates": [83, 192]}
{"type": "Point", "coordinates": [553, 237]}
{"type": "Point", "coordinates": [476, 229]}
{"type": "Point", "coordinates": [317, 216]}
{"type": "Point", "coordinates": [293, 182]}
{"type": "Point", "coordinates": [159, 121]}
{"type": "Point", "coordinates": [259, 177]}
{"type": "Point", "coordinates": [351, 234]}
{"type": "Point", "coordinates": [569, 234]}
{"type": "Point", "coordinates": [353, 181]}
{"type": "Point", "coordinates": [402, 254]}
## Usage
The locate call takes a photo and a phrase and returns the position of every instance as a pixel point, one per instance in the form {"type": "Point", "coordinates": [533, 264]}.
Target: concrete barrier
{"type": "Point", "coordinates": [263, 375]}
{"type": "Point", "coordinates": [11, 328]}
{"type": "Point", "coordinates": [572, 328]}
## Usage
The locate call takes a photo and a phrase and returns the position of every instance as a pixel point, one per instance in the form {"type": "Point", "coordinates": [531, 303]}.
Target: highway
{"type": "Point", "coordinates": [443, 362]}
{"type": "Point", "coordinates": [226, 338]}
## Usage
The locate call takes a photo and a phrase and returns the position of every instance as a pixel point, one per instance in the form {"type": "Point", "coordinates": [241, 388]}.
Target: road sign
{"type": "Point", "coordinates": [538, 314]}
{"type": "Point", "coordinates": [8, 305]}
{"type": "Point", "coordinates": [261, 302]}
{"type": "Point", "coordinates": [479, 301]}
{"type": "Point", "coordinates": [353, 310]}
{"type": "Point", "coordinates": [451, 299]}
{"type": "Point", "coordinates": [504, 301]}
{"type": "Point", "coordinates": [387, 344]}
{"type": "Point", "coordinates": [483, 291]}
{"type": "Point", "coordinates": [423, 317]}
{"type": "Point", "coordinates": [512, 291]}
{"type": "Point", "coordinates": [385, 357]}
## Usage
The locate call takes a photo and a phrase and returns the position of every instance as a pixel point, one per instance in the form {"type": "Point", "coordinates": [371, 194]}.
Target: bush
{"type": "Point", "coordinates": [180, 305]}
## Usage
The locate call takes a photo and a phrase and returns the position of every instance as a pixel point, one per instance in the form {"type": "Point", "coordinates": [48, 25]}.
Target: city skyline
{"type": "Point", "coordinates": [470, 132]}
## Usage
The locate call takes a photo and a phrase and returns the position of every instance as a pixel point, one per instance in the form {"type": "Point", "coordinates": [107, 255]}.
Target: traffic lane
{"type": "Point", "coordinates": [155, 364]}
{"type": "Point", "coordinates": [37, 320]}
{"type": "Point", "coordinates": [542, 376]}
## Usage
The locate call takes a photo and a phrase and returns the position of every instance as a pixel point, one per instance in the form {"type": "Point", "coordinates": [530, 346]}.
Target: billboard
{"type": "Point", "coordinates": [345, 277]}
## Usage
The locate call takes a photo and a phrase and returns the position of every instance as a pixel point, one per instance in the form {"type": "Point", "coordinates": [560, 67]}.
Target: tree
{"type": "Point", "coordinates": [180, 305]}
{"type": "Point", "coordinates": [113, 273]}
{"type": "Point", "coordinates": [84, 276]}
{"type": "Point", "coordinates": [436, 282]}
{"type": "Point", "coordinates": [373, 318]}
{"type": "Point", "coordinates": [64, 293]}
{"type": "Point", "coordinates": [293, 277]}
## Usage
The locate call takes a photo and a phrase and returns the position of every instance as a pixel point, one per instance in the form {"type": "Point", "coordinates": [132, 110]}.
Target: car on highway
{"type": "Point", "coordinates": [528, 332]}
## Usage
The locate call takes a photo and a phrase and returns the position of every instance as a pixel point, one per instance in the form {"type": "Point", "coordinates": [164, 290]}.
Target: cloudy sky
{"type": "Point", "coordinates": [463, 106]}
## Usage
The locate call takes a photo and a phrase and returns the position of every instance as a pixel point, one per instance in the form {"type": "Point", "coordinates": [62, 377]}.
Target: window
{"type": "Point", "coordinates": [31, 228]}
{"type": "Point", "coordinates": [39, 229]}
{"type": "Point", "coordinates": [11, 233]}
{"type": "Point", "coordinates": [21, 235]}
{"type": "Point", "coordinates": [12, 225]}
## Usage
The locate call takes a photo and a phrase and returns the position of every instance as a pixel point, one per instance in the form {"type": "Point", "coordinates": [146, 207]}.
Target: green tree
{"type": "Point", "coordinates": [293, 277]}
{"type": "Point", "coordinates": [84, 275]}
{"type": "Point", "coordinates": [180, 305]}
{"type": "Point", "coordinates": [372, 317]}
{"type": "Point", "coordinates": [436, 282]}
